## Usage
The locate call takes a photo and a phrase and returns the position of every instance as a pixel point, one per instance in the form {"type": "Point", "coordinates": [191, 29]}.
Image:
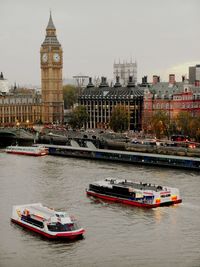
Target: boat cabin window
{"type": "Point", "coordinates": [166, 195]}
{"type": "Point", "coordinates": [61, 214]}
{"type": "Point", "coordinates": [59, 227]}
{"type": "Point", "coordinates": [33, 221]}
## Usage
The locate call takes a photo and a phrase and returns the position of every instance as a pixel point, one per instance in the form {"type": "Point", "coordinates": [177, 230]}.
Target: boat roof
{"type": "Point", "coordinates": [110, 182]}
{"type": "Point", "coordinates": [39, 209]}
{"type": "Point", "coordinates": [23, 147]}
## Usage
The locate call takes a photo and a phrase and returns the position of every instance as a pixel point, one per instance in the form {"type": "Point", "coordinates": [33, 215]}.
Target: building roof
{"type": "Point", "coordinates": [112, 92]}
{"type": "Point", "coordinates": [51, 39]}
{"type": "Point", "coordinates": [166, 90]}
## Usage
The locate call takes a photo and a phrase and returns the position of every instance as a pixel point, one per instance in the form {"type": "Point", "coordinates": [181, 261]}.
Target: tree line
{"type": "Point", "coordinates": [184, 123]}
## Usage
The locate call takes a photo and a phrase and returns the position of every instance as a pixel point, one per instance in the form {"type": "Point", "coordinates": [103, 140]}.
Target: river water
{"type": "Point", "coordinates": [116, 235]}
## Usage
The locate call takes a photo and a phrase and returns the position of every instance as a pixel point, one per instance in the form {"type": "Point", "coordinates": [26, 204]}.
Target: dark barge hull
{"type": "Point", "coordinates": [126, 156]}
{"type": "Point", "coordinates": [130, 202]}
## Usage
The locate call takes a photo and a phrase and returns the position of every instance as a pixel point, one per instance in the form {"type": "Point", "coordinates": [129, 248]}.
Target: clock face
{"type": "Point", "coordinates": [45, 57]}
{"type": "Point", "coordinates": [56, 57]}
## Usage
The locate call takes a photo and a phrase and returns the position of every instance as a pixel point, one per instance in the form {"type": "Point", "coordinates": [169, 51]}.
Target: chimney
{"type": "Point", "coordinates": [130, 82]}
{"type": "Point", "coordinates": [117, 84]}
{"type": "Point", "coordinates": [144, 80]}
{"type": "Point", "coordinates": [156, 79]}
{"type": "Point", "coordinates": [183, 78]}
{"type": "Point", "coordinates": [172, 79]}
{"type": "Point", "coordinates": [90, 84]}
{"type": "Point", "coordinates": [103, 82]}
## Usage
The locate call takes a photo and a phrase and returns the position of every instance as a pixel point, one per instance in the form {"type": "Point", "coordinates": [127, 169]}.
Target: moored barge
{"type": "Point", "coordinates": [126, 156]}
{"type": "Point", "coordinates": [46, 222]}
{"type": "Point", "coordinates": [135, 194]}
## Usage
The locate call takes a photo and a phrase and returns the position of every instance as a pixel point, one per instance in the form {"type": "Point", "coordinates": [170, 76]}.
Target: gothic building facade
{"type": "Point", "coordinates": [20, 109]}
{"type": "Point", "coordinates": [171, 97]}
{"type": "Point", "coordinates": [124, 71]}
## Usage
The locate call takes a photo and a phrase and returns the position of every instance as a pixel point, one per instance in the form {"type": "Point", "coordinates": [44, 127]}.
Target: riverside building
{"type": "Point", "coordinates": [194, 75]}
{"type": "Point", "coordinates": [20, 109]}
{"type": "Point", "coordinates": [172, 97]}
{"type": "Point", "coordinates": [100, 101]}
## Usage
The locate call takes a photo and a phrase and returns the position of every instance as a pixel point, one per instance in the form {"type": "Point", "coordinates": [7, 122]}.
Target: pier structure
{"type": "Point", "coordinates": [126, 157]}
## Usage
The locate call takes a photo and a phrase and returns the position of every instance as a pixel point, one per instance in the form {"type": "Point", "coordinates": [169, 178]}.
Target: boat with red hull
{"type": "Point", "coordinates": [27, 150]}
{"type": "Point", "coordinates": [46, 222]}
{"type": "Point", "coordinates": [135, 194]}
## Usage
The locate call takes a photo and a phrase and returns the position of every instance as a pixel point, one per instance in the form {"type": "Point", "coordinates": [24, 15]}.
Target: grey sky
{"type": "Point", "coordinates": [163, 36]}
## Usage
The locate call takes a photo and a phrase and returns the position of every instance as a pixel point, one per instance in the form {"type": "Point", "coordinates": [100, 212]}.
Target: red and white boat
{"type": "Point", "coordinates": [46, 222]}
{"type": "Point", "coordinates": [135, 194]}
{"type": "Point", "coordinates": [27, 150]}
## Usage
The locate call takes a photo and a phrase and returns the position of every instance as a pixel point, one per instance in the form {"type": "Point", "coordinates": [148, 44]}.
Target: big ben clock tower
{"type": "Point", "coordinates": [51, 75]}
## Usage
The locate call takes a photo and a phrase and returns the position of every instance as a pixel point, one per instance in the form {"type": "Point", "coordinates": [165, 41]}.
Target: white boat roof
{"type": "Point", "coordinates": [23, 148]}
{"type": "Point", "coordinates": [139, 186]}
{"type": "Point", "coordinates": [39, 209]}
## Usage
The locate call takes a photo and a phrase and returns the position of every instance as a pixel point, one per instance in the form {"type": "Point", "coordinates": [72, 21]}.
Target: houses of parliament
{"type": "Point", "coordinates": [25, 107]}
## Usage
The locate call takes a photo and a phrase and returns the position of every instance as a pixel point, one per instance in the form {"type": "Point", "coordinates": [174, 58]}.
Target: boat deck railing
{"type": "Point", "coordinates": [140, 186]}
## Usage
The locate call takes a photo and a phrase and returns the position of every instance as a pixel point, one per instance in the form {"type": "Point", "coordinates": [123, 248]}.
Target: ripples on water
{"type": "Point", "coordinates": [116, 235]}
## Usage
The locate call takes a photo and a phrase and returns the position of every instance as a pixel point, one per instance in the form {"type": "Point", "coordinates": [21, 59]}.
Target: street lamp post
{"type": "Point", "coordinates": [27, 123]}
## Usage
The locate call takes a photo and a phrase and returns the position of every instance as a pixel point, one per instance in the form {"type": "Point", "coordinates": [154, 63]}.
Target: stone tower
{"type": "Point", "coordinates": [51, 62]}
{"type": "Point", "coordinates": [124, 71]}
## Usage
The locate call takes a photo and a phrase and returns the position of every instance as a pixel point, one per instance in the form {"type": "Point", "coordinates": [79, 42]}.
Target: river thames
{"type": "Point", "coordinates": [116, 235]}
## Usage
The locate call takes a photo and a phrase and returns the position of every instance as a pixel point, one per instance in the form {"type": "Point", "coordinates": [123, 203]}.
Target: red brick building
{"type": "Point", "coordinates": [172, 97]}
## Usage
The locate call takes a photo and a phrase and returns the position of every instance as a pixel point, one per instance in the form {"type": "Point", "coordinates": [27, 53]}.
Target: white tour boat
{"type": "Point", "coordinates": [133, 193]}
{"type": "Point", "coordinates": [27, 150]}
{"type": "Point", "coordinates": [46, 222]}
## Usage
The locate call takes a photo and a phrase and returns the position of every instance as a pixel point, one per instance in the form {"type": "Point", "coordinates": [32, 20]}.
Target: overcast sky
{"type": "Point", "coordinates": [163, 36]}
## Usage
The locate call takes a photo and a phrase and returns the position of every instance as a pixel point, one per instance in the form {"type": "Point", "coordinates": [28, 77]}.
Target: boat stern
{"type": "Point", "coordinates": [167, 197]}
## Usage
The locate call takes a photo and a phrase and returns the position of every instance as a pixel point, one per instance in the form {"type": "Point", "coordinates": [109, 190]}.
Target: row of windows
{"type": "Point", "coordinates": [175, 105]}
{"type": "Point", "coordinates": [110, 103]}
{"type": "Point", "coordinates": [182, 97]}
{"type": "Point", "coordinates": [21, 119]}
{"type": "Point", "coordinates": [110, 97]}
{"type": "Point", "coordinates": [21, 101]}
{"type": "Point", "coordinates": [15, 109]}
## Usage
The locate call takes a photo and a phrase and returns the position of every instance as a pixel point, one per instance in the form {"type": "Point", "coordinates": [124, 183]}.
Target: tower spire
{"type": "Point", "coordinates": [51, 38]}
{"type": "Point", "coordinates": [50, 25]}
